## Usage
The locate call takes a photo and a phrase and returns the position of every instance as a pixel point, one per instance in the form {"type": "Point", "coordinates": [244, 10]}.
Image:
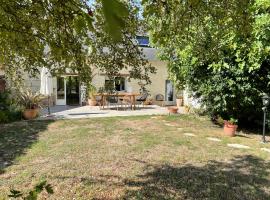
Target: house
{"type": "Point", "coordinates": [67, 89]}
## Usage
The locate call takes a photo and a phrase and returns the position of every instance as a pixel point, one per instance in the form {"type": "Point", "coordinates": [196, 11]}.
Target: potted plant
{"type": "Point", "coordinates": [30, 102]}
{"type": "Point", "coordinates": [230, 127]}
{"type": "Point", "coordinates": [91, 95]}
{"type": "Point", "coordinates": [179, 98]}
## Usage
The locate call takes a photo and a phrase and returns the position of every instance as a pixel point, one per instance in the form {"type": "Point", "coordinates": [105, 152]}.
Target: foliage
{"type": "Point", "coordinates": [57, 35]}
{"type": "Point", "coordinates": [8, 110]}
{"type": "Point", "coordinates": [33, 194]}
{"type": "Point", "coordinates": [124, 55]}
{"type": "Point", "coordinates": [232, 121]}
{"type": "Point", "coordinates": [29, 99]}
{"type": "Point", "coordinates": [219, 50]}
{"type": "Point", "coordinates": [91, 91]}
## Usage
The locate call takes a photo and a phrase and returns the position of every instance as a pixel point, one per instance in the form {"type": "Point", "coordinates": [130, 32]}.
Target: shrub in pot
{"type": "Point", "coordinates": [91, 95]}
{"type": "Point", "coordinates": [30, 102]}
{"type": "Point", "coordinates": [230, 127]}
{"type": "Point", "coordinates": [179, 96]}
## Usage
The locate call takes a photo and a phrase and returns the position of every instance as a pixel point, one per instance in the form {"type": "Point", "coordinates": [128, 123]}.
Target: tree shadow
{"type": "Point", "coordinates": [16, 137]}
{"type": "Point", "coordinates": [243, 177]}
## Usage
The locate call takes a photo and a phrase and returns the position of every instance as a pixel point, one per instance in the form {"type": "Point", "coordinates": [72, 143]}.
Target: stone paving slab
{"type": "Point", "coordinates": [214, 139]}
{"type": "Point", "coordinates": [265, 149]}
{"type": "Point", "coordinates": [189, 134]}
{"type": "Point", "coordinates": [238, 146]}
{"type": "Point", "coordinates": [169, 124]}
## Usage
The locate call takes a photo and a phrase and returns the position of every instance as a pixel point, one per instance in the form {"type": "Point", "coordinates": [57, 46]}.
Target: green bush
{"type": "Point", "coordinates": [233, 92]}
{"type": "Point", "coordinates": [3, 117]}
{"type": "Point", "coordinates": [9, 111]}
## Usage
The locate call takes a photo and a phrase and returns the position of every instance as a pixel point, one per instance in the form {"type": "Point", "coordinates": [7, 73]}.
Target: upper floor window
{"type": "Point", "coordinates": [143, 41]}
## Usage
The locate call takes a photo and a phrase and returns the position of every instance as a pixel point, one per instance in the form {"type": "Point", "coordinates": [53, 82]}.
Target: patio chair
{"type": "Point", "coordinates": [112, 100]}
{"type": "Point", "coordinates": [126, 101]}
{"type": "Point", "coordinates": [160, 98]}
{"type": "Point", "coordinates": [141, 99]}
{"type": "Point", "coordinates": [99, 101]}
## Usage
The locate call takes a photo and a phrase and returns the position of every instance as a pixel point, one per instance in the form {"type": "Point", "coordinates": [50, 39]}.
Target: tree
{"type": "Point", "coordinates": [112, 56]}
{"type": "Point", "coordinates": [54, 34]}
{"type": "Point", "coordinates": [218, 49]}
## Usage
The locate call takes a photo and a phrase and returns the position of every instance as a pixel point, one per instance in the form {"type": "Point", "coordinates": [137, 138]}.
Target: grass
{"type": "Point", "coordinates": [132, 158]}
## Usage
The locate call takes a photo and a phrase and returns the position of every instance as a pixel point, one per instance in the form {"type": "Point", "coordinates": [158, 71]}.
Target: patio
{"type": "Point", "coordinates": [78, 112]}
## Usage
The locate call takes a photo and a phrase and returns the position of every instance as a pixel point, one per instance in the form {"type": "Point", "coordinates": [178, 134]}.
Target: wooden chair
{"type": "Point", "coordinates": [126, 101]}
{"type": "Point", "coordinates": [112, 100]}
{"type": "Point", "coordinates": [141, 99]}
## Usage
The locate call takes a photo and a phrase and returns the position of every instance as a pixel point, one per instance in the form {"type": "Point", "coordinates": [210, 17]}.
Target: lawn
{"type": "Point", "coordinates": [133, 158]}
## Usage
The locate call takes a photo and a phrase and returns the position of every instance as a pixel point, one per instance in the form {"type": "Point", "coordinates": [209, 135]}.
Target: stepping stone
{"type": "Point", "coordinates": [265, 149]}
{"type": "Point", "coordinates": [179, 129]}
{"type": "Point", "coordinates": [214, 139]}
{"type": "Point", "coordinates": [169, 125]}
{"type": "Point", "coordinates": [154, 117]}
{"type": "Point", "coordinates": [238, 146]}
{"type": "Point", "coordinates": [189, 134]}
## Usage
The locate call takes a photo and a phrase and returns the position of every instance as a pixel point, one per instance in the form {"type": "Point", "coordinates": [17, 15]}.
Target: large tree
{"type": "Point", "coordinates": [218, 49]}
{"type": "Point", "coordinates": [112, 56]}
{"type": "Point", "coordinates": [56, 33]}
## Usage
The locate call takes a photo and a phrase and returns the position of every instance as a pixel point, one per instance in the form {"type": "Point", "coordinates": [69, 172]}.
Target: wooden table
{"type": "Point", "coordinates": [132, 96]}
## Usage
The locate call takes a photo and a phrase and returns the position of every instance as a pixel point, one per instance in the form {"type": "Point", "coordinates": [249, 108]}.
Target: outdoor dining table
{"type": "Point", "coordinates": [132, 96]}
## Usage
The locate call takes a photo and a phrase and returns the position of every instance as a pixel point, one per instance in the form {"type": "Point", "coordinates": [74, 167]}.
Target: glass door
{"type": "Point", "coordinates": [61, 91]}
{"type": "Point", "coordinates": [169, 92]}
{"type": "Point", "coordinates": [72, 90]}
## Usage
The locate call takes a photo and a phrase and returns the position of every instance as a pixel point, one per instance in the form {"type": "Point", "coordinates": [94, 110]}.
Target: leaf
{"type": "Point", "coordinates": [31, 196]}
{"type": "Point", "coordinates": [39, 187]}
{"type": "Point", "coordinates": [15, 193]}
{"type": "Point", "coordinates": [49, 189]}
{"type": "Point", "coordinates": [115, 13]}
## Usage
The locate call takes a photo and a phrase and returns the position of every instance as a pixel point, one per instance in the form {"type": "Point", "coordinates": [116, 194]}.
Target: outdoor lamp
{"type": "Point", "coordinates": [265, 101]}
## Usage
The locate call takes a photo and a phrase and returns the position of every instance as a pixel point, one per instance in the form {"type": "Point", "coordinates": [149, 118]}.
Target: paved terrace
{"type": "Point", "coordinates": [75, 112]}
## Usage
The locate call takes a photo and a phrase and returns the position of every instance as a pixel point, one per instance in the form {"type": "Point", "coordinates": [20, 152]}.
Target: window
{"type": "Point", "coordinates": [143, 41]}
{"type": "Point", "coordinates": [117, 84]}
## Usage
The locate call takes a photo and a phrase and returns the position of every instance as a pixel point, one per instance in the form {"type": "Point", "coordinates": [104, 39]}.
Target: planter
{"type": "Point", "coordinates": [179, 102]}
{"type": "Point", "coordinates": [173, 109]}
{"type": "Point", "coordinates": [30, 113]}
{"type": "Point", "coordinates": [230, 129]}
{"type": "Point", "coordinates": [92, 102]}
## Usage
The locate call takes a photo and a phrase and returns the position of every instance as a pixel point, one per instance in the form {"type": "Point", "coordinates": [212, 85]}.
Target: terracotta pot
{"type": "Point", "coordinates": [92, 102]}
{"type": "Point", "coordinates": [230, 129]}
{"type": "Point", "coordinates": [179, 102]}
{"type": "Point", "coordinates": [30, 113]}
{"type": "Point", "coordinates": [173, 109]}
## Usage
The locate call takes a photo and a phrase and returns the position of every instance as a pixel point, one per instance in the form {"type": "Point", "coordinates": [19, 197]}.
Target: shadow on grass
{"type": "Point", "coordinates": [16, 137]}
{"type": "Point", "coordinates": [244, 177]}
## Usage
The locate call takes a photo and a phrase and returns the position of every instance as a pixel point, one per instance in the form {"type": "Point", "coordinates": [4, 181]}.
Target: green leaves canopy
{"type": "Point", "coordinates": [216, 48]}
{"type": "Point", "coordinates": [55, 34]}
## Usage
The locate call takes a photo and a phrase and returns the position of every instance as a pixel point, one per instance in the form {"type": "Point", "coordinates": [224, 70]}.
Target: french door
{"type": "Point", "coordinates": [169, 92]}
{"type": "Point", "coordinates": [61, 96]}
